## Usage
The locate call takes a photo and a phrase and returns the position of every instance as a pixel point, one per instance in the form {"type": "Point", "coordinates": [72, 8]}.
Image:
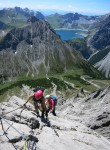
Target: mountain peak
{"type": "Point", "coordinates": [33, 19]}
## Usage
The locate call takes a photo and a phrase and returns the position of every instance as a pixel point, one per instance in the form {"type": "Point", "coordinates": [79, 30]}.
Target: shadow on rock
{"type": "Point", "coordinates": [46, 121]}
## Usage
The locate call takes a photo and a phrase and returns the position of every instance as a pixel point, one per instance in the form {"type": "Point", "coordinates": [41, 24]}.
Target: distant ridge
{"type": "Point", "coordinates": [17, 17]}
{"type": "Point", "coordinates": [71, 20]}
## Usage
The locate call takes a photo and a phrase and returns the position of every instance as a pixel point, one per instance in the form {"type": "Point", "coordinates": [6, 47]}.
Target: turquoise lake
{"type": "Point", "coordinates": [66, 34]}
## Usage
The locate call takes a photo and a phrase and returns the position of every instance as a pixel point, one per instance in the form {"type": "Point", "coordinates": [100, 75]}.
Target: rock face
{"type": "Point", "coordinates": [99, 42]}
{"type": "Point", "coordinates": [93, 111]}
{"type": "Point", "coordinates": [101, 61]}
{"type": "Point", "coordinates": [72, 128]}
{"type": "Point", "coordinates": [100, 39]}
{"type": "Point", "coordinates": [104, 65]}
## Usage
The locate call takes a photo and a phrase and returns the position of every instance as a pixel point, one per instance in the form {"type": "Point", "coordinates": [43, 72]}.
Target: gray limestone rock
{"type": "Point", "coordinates": [72, 128]}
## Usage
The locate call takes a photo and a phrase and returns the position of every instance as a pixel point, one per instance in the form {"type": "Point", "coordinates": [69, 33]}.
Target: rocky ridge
{"type": "Point", "coordinates": [99, 43]}
{"type": "Point", "coordinates": [94, 111]}
{"type": "Point", "coordinates": [72, 128]}
{"type": "Point", "coordinates": [17, 17]}
{"type": "Point", "coordinates": [104, 65]}
{"type": "Point", "coordinates": [71, 21]}
{"type": "Point", "coordinates": [101, 30]}
{"type": "Point", "coordinates": [28, 49]}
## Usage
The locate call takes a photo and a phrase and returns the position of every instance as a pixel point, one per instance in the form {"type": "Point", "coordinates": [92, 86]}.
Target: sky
{"type": "Point", "coordinates": [90, 7]}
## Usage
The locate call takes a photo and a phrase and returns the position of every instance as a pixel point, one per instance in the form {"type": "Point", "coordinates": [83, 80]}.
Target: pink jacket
{"type": "Point", "coordinates": [51, 103]}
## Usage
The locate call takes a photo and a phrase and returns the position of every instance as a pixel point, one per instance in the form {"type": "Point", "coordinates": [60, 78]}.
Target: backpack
{"type": "Point", "coordinates": [39, 88]}
{"type": "Point", "coordinates": [54, 98]}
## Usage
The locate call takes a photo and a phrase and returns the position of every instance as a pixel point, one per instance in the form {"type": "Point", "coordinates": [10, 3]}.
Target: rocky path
{"type": "Point", "coordinates": [96, 85]}
{"type": "Point", "coordinates": [54, 86]}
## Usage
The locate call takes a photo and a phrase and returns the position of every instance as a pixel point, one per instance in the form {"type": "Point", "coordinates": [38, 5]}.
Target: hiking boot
{"type": "Point", "coordinates": [46, 114]}
{"type": "Point", "coordinates": [54, 114]}
{"type": "Point", "coordinates": [47, 118]}
{"type": "Point", "coordinates": [37, 113]}
{"type": "Point", "coordinates": [42, 114]}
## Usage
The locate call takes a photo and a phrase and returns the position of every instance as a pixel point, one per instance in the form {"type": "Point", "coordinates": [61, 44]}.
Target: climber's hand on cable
{"type": "Point", "coordinates": [24, 105]}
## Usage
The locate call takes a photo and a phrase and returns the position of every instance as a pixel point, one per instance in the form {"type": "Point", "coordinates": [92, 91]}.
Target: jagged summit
{"type": "Point", "coordinates": [71, 20]}
{"type": "Point", "coordinates": [32, 19]}
{"type": "Point", "coordinates": [17, 17]}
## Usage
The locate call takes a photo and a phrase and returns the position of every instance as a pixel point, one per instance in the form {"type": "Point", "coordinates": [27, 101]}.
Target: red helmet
{"type": "Point", "coordinates": [38, 94]}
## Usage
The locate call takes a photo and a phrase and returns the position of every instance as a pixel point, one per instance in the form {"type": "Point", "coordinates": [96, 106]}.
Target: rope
{"type": "Point", "coordinates": [12, 127]}
{"type": "Point", "coordinates": [23, 136]}
{"type": "Point", "coordinates": [22, 111]}
{"type": "Point", "coordinates": [12, 110]}
{"type": "Point", "coordinates": [9, 127]}
{"type": "Point", "coordinates": [6, 133]}
{"type": "Point", "coordinates": [2, 117]}
{"type": "Point", "coordinates": [28, 143]}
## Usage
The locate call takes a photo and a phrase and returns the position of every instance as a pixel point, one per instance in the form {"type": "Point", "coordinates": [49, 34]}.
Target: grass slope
{"type": "Point", "coordinates": [14, 87]}
{"type": "Point", "coordinates": [55, 20]}
{"type": "Point", "coordinates": [81, 46]}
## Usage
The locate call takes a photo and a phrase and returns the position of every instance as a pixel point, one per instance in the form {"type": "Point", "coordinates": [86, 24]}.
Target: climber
{"type": "Point", "coordinates": [51, 104]}
{"type": "Point", "coordinates": [37, 97]}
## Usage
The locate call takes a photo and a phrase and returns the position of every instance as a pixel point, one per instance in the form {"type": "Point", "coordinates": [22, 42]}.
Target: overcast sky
{"type": "Point", "coordinates": [81, 6]}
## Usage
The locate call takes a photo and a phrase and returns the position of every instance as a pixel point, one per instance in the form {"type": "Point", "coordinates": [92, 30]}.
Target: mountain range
{"type": "Point", "coordinates": [17, 17]}
{"type": "Point", "coordinates": [95, 44]}
{"type": "Point", "coordinates": [71, 20]}
{"type": "Point", "coordinates": [29, 44]}
{"type": "Point", "coordinates": [36, 49]}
